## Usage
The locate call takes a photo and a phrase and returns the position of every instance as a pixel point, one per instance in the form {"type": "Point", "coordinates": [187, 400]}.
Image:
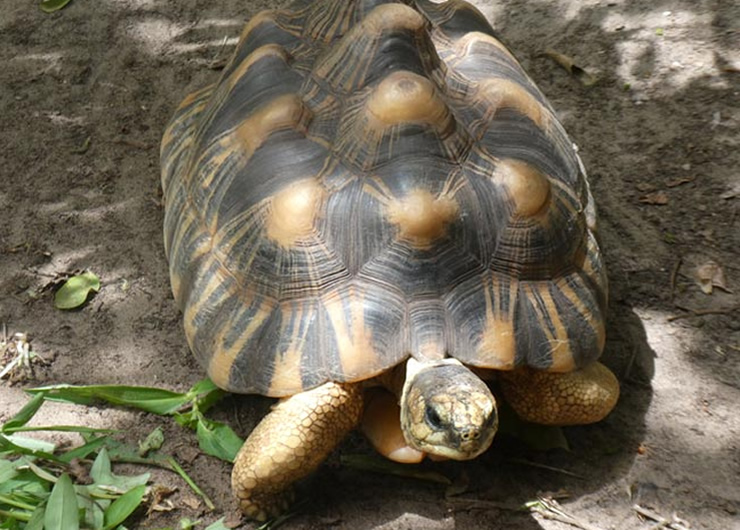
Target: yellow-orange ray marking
{"type": "Point", "coordinates": [497, 347]}
{"type": "Point", "coordinates": [561, 354]}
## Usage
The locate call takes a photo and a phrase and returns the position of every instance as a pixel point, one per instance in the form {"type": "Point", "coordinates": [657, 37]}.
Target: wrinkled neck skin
{"type": "Point", "coordinates": [446, 410]}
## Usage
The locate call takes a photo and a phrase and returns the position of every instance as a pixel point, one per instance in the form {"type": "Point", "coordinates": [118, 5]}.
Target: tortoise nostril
{"type": "Point", "coordinates": [470, 434]}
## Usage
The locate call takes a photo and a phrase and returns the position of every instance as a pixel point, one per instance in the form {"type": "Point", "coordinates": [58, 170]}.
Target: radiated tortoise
{"type": "Point", "coordinates": [371, 209]}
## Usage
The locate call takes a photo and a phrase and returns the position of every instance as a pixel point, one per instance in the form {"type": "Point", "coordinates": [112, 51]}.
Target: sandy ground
{"type": "Point", "coordinates": [659, 133]}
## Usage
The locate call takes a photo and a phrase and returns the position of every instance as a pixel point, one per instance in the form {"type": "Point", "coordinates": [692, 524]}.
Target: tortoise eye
{"type": "Point", "coordinates": [432, 418]}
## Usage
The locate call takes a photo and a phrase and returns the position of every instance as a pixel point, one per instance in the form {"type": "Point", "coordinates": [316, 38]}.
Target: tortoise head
{"type": "Point", "coordinates": [447, 410]}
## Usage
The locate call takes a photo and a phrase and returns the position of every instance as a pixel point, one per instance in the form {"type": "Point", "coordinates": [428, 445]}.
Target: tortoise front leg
{"type": "Point", "coordinates": [572, 398]}
{"type": "Point", "coordinates": [289, 443]}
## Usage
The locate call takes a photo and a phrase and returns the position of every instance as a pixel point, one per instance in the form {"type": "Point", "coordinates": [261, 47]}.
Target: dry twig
{"type": "Point", "coordinates": [551, 509]}
{"type": "Point", "coordinates": [674, 523]}
{"type": "Point", "coordinates": [674, 278]}
{"type": "Point", "coordinates": [548, 468]}
{"type": "Point", "coordinates": [702, 312]}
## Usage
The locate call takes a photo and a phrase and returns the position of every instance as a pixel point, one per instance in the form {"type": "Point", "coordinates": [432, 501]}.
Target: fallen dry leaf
{"type": "Point", "coordinates": [679, 181]}
{"type": "Point", "coordinates": [580, 73]}
{"type": "Point", "coordinates": [710, 274]}
{"type": "Point", "coordinates": [191, 502]}
{"type": "Point", "coordinates": [645, 186]}
{"type": "Point", "coordinates": [658, 198]}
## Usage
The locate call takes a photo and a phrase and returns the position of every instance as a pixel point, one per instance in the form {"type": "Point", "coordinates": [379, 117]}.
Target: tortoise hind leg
{"type": "Point", "coordinates": [573, 398]}
{"type": "Point", "coordinates": [289, 443]}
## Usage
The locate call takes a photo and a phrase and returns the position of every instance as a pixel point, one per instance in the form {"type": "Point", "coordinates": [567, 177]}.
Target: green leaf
{"type": "Point", "coordinates": [187, 524]}
{"type": "Point", "coordinates": [7, 471]}
{"type": "Point", "coordinates": [153, 441]}
{"type": "Point", "coordinates": [76, 289]}
{"type": "Point", "coordinates": [25, 483]}
{"type": "Point", "coordinates": [64, 428]}
{"type": "Point", "coordinates": [61, 509]}
{"type": "Point", "coordinates": [102, 475]}
{"type": "Point", "coordinates": [124, 506]}
{"type": "Point", "coordinates": [388, 467]}
{"type": "Point", "coordinates": [101, 471]}
{"type": "Point", "coordinates": [93, 507]}
{"type": "Point", "coordinates": [218, 525]}
{"type": "Point", "coordinates": [25, 414]}
{"type": "Point", "coordinates": [37, 519]}
{"type": "Point", "coordinates": [27, 446]}
{"type": "Point", "coordinates": [217, 439]}
{"type": "Point", "coordinates": [40, 472]}
{"type": "Point", "coordinates": [207, 400]}
{"type": "Point", "coordinates": [49, 6]}
{"type": "Point", "coordinates": [84, 451]}
{"type": "Point", "coordinates": [156, 400]}
{"type": "Point", "coordinates": [203, 386]}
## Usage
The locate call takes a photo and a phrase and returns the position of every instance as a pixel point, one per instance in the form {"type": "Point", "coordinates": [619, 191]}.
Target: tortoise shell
{"type": "Point", "coordinates": [369, 181]}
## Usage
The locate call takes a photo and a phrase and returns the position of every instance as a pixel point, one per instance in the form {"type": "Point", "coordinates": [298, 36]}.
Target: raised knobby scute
{"type": "Point", "coordinates": [528, 188]}
{"type": "Point", "coordinates": [405, 97]}
{"type": "Point", "coordinates": [293, 211]}
{"type": "Point", "coordinates": [421, 217]}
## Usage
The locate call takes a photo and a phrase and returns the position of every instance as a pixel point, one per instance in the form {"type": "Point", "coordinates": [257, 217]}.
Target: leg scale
{"type": "Point", "coordinates": [291, 442]}
{"type": "Point", "coordinates": [572, 398]}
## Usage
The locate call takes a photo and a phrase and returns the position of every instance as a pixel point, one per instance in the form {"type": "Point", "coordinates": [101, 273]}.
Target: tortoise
{"type": "Point", "coordinates": [373, 211]}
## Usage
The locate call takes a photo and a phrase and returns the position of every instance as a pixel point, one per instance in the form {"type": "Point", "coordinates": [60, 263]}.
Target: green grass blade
{"type": "Point", "coordinates": [156, 400]}
{"type": "Point", "coordinates": [61, 509]}
{"type": "Point", "coordinates": [180, 471]}
{"type": "Point", "coordinates": [124, 506]}
{"type": "Point", "coordinates": [65, 428]}
{"type": "Point", "coordinates": [27, 446]}
{"type": "Point", "coordinates": [24, 415]}
{"type": "Point", "coordinates": [14, 515]}
{"type": "Point", "coordinates": [85, 450]}
{"type": "Point", "coordinates": [10, 501]}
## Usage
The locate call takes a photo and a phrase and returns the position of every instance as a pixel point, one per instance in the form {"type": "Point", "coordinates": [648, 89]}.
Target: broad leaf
{"type": "Point", "coordinates": [217, 439]}
{"type": "Point", "coordinates": [102, 475]}
{"type": "Point", "coordinates": [124, 506]}
{"type": "Point", "coordinates": [61, 509]}
{"type": "Point", "coordinates": [27, 446]}
{"type": "Point", "coordinates": [218, 525]}
{"type": "Point", "coordinates": [37, 519]}
{"type": "Point", "coordinates": [75, 290]}
{"type": "Point", "coordinates": [49, 6]}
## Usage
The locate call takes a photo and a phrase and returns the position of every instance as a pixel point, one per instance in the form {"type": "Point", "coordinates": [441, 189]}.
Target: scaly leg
{"type": "Point", "coordinates": [572, 398]}
{"type": "Point", "coordinates": [289, 443]}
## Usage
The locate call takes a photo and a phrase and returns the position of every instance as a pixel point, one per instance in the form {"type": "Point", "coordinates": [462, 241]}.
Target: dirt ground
{"type": "Point", "coordinates": [659, 133]}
